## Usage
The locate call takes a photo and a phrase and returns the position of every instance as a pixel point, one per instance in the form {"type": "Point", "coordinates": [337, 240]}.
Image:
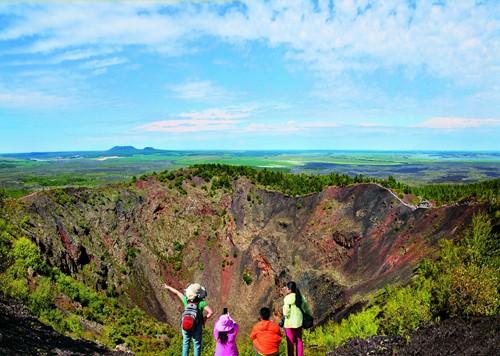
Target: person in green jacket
{"type": "Point", "coordinates": [293, 318]}
{"type": "Point", "coordinates": [194, 292]}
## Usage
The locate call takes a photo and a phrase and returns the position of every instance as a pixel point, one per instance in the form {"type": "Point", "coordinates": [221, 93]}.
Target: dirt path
{"type": "Point", "coordinates": [412, 207]}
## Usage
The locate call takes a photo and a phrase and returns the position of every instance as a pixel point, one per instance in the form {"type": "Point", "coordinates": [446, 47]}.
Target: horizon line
{"type": "Point", "coordinates": [259, 150]}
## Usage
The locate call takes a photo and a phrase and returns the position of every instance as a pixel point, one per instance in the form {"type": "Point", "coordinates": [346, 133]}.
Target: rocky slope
{"type": "Point", "coordinates": [243, 243]}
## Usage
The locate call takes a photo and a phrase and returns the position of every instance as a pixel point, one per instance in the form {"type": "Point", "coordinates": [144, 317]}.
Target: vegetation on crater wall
{"type": "Point", "coordinates": [463, 281]}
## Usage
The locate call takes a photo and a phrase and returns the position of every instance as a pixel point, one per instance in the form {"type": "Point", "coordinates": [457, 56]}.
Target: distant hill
{"type": "Point", "coordinates": [131, 150]}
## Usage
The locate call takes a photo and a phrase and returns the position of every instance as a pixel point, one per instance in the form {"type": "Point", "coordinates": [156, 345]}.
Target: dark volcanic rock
{"type": "Point", "coordinates": [22, 334]}
{"type": "Point", "coordinates": [474, 337]}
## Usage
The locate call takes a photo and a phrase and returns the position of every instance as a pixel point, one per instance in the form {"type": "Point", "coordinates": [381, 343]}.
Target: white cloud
{"type": "Point", "coordinates": [66, 56]}
{"type": "Point", "coordinates": [31, 100]}
{"type": "Point", "coordinates": [59, 25]}
{"type": "Point", "coordinates": [215, 119]}
{"type": "Point", "coordinates": [82, 54]}
{"type": "Point", "coordinates": [456, 123]}
{"type": "Point", "coordinates": [187, 125]}
{"type": "Point", "coordinates": [215, 113]}
{"type": "Point", "coordinates": [290, 126]}
{"type": "Point", "coordinates": [314, 124]}
{"type": "Point", "coordinates": [369, 124]}
{"type": "Point", "coordinates": [100, 66]}
{"type": "Point", "coordinates": [457, 40]}
{"type": "Point", "coordinates": [203, 90]}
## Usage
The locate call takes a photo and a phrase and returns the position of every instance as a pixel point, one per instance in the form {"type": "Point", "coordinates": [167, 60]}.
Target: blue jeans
{"type": "Point", "coordinates": [195, 335]}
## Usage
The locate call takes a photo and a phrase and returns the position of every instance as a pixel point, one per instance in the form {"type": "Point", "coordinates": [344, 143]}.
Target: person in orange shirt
{"type": "Point", "coordinates": [266, 335]}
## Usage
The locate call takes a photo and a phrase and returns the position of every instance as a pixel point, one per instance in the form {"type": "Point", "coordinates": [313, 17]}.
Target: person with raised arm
{"type": "Point", "coordinates": [193, 317]}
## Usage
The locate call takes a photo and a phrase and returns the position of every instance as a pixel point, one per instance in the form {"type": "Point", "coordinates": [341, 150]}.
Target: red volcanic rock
{"type": "Point", "coordinates": [66, 241]}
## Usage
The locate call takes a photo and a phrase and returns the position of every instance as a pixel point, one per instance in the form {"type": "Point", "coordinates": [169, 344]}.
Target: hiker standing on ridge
{"type": "Point", "coordinates": [225, 332]}
{"type": "Point", "coordinates": [192, 319]}
{"type": "Point", "coordinates": [295, 307]}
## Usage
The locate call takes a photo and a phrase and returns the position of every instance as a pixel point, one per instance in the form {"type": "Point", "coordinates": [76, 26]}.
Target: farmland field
{"type": "Point", "coordinates": [23, 173]}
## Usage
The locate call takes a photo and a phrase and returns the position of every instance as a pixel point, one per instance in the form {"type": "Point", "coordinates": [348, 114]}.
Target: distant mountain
{"type": "Point", "coordinates": [131, 150]}
{"type": "Point", "coordinates": [123, 149]}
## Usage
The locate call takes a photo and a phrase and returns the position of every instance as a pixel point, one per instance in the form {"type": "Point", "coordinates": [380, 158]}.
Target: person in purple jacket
{"type": "Point", "coordinates": [225, 332]}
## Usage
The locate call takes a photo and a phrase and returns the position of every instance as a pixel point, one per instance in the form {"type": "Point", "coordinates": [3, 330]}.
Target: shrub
{"type": "Point", "coordinates": [482, 247]}
{"type": "Point", "coordinates": [64, 323]}
{"type": "Point", "coordinates": [68, 286]}
{"type": "Point", "coordinates": [178, 246]}
{"type": "Point", "coordinates": [247, 278]}
{"type": "Point", "coordinates": [474, 291]}
{"type": "Point", "coordinates": [359, 325]}
{"type": "Point", "coordinates": [177, 265]}
{"type": "Point", "coordinates": [26, 254]}
{"type": "Point", "coordinates": [55, 318]}
{"type": "Point", "coordinates": [132, 253]}
{"type": "Point", "coordinates": [43, 296]}
{"type": "Point", "coordinates": [5, 249]}
{"type": "Point", "coordinates": [405, 309]}
{"type": "Point", "coordinates": [127, 327]}
{"type": "Point", "coordinates": [464, 279]}
{"type": "Point", "coordinates": [132, 326]}
{"type": "Point", "coordinates": [208, 343]}
{"type": "Point", "coordinates": [94, 305]}
{"type": "Point", "coordinates": [17, 288]}
{"type": "Point", "coordinates": [73, 325]}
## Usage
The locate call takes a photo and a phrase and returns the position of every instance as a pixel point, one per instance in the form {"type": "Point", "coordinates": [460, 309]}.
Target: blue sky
{"type": "Point", "coordinates": [361, 74]}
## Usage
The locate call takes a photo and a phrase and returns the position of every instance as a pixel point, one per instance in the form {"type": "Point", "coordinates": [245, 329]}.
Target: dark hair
{"type": "Point", "coordinates": [298, 297]}
{"type": "Point", "coordinates": [223, 337]}
{"type": "Point", "coordinates": [265, 313]}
